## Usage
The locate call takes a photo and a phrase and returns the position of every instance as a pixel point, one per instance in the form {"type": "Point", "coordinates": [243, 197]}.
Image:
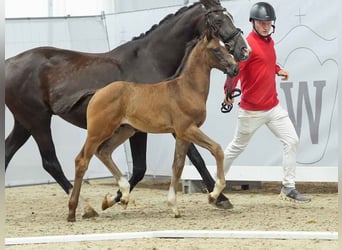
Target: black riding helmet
{"type": "Point", "coordinates": [262, 11]}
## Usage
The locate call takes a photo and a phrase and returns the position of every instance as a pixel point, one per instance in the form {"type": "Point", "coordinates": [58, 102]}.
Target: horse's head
{"type": "Point", "coordinates": [219, 20]}
{"type": "Point", "coordinates": [218, 55]}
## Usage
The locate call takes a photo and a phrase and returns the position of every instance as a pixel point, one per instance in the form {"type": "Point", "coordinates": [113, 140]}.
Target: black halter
{"type": "Point", "coordinates": [234, 34]}
{"type": "Point", "coordinates": [235, 92]}
{"type": "Point", "coordinates": [214, 28]}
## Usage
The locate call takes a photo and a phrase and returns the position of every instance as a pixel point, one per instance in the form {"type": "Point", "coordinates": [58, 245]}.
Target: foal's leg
{"type": "Point", "coordinates": [81, 165]}
{"type": "Point", "coordinates": [104, 153]}
{"type": "Point", "coordinates": [177, 168]}
{"type": "Point", "coordinates": [195, 135]}
{"type": "Point", "coordinates": [197, 160]}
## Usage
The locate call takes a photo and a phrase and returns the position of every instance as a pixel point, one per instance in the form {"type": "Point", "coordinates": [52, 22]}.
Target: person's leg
{"type": "Point", "coordinates": [248, 122]}
{"type": "Point", "coordinates": [282, 127]}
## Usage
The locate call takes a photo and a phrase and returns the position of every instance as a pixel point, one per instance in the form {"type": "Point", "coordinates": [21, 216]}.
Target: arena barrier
{"type": "Point", "coordinates": [285, 235]}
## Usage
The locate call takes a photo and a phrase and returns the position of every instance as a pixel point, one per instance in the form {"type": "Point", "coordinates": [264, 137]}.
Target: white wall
{"type": "Point", "coordinates": [306, 46]}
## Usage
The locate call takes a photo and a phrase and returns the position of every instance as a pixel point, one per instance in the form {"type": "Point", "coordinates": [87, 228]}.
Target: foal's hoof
{"type": "Point", "coordinates": [178, 215]}
{"type": "Point", "coordinates": [107, 202]}
{"type": "Point", "coordinates": [71, 218]}
{"type": "Point", "coordinates": [211, 199]}
{"type": "Point", "coordinates": [124, 203]}
{"type": "Point", "coordinates": [89, 212]}
{"type": "Point", "coordinates": [223, 204]}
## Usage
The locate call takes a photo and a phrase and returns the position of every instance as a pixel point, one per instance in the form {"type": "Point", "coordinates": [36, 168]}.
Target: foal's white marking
{"type": "Point", "coordinates": [171, 196]}
{"type": "Point", "coordinates": [172, 201]}
{"type": "Point", "coordinates": [124, 187]}
{"type": "Point", "coordinates": [219, 186]}
{"type": "Point", "coordinates": [222, 44]}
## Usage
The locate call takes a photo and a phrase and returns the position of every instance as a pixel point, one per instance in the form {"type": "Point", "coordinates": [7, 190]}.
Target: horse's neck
{"type": "Point", "coordinates": [197, 70]}
{"type": "Point", "coordinates": [173, 33]}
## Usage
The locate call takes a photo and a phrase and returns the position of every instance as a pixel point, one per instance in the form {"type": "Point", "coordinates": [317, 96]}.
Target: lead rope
{"type": "Point", "coordinates": [234, 93]}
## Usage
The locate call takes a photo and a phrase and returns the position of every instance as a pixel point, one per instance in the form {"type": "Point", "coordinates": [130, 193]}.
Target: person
{"type": "Point", "coordinates": [259, 104]}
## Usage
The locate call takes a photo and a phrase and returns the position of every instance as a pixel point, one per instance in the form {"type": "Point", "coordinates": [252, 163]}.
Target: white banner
{"type": "Point", "coordinates": [306, 45]}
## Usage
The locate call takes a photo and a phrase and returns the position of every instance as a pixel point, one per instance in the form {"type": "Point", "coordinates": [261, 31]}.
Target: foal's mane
{"type": "Point", "coordinates": [189, 47]}
{"type": "Point", "coordinates": [165, 20]}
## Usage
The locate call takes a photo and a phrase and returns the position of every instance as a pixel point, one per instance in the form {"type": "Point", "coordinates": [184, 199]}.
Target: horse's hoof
{"type": "Point", "coordinates": [223, 204]}
{"type": "Point", "coordinates": [89, 213]}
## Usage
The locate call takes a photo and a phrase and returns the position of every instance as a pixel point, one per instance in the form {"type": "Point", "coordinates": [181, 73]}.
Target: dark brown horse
{"type": "Point", "coordinates": [178, 106]}
{"type": "Point", "coordinates": [48, 81]}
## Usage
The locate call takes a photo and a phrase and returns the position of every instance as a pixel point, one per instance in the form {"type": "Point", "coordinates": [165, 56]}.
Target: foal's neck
{"type": "Point", "coordinates": [196, 71]}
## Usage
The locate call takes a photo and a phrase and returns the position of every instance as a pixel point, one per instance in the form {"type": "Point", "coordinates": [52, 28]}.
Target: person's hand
{"type": "Point", "coordinates": [284, 74]}
{"type": "Point", "coordinates": [228, 102]}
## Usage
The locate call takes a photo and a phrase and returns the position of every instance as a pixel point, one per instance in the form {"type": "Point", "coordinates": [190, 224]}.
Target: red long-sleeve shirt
{"type": "Point", "coordinates": [257, 75]}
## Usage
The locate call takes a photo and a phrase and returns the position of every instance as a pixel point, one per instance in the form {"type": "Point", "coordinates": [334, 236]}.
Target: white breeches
{"type": "Point", "coordinates": [278, 121]}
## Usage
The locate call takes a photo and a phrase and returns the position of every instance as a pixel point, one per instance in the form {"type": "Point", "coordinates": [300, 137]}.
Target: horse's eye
{"type": "Point", "coordinates": [218, 22]}
{"type": "Point", "coordinates": [229, 45]}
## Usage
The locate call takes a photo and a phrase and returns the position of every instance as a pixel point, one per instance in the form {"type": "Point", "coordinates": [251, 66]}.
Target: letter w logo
{"type": "Point", "coordinates": [303, 97]}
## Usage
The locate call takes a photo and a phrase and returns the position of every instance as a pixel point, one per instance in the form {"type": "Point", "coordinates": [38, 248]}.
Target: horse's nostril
{"type": "Point", "coordinates": [236, 70]}
{"type": "Point", "coordinates": [246, 51]}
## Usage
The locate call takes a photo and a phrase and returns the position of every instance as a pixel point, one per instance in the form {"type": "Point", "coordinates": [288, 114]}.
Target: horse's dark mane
{"type": "Point", "coordinates": [164, 20]}
{"type": "Point", "coordinates": [189, 47]}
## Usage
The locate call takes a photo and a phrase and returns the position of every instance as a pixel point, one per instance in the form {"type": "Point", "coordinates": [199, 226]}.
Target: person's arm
{"type": "Point", "coordinates": [281, 72]}
{"type": "Point", "coordinates": [229, 85]}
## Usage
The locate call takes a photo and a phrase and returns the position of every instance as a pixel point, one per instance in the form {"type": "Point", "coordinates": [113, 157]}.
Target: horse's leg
{"type": "Point", "coordinates": [15, 140]}
{"type": "Point", "coordinates": [39, 127]}
{"type": "Point", "coordinates": [104, 153]}
{"type": "Point", "coordinates": [42, 134]}
{"type": "Point", "coordinates": [138, 150]}
{"type": "Point", "coordinates": [196, 159]}
{"type": "Point", "coordinates": [181, 148]}
{"type": "Point", "coordinates": [195, 135]}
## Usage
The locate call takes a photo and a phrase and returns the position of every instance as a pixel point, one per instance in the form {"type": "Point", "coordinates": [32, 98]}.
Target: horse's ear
{"type": "Point", "coordinates": [210, 3]}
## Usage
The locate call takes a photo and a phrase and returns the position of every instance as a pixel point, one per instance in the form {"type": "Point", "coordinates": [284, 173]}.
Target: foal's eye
{"type": "Point", "coordinates": [215, 50]}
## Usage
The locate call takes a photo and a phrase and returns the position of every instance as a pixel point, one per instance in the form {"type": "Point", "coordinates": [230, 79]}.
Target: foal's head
{"type": "Point", "coordinates": [219, 57]}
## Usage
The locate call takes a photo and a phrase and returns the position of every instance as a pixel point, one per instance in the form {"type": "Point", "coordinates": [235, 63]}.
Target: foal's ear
{"type": "Point", "coordinates": [209, 34]}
